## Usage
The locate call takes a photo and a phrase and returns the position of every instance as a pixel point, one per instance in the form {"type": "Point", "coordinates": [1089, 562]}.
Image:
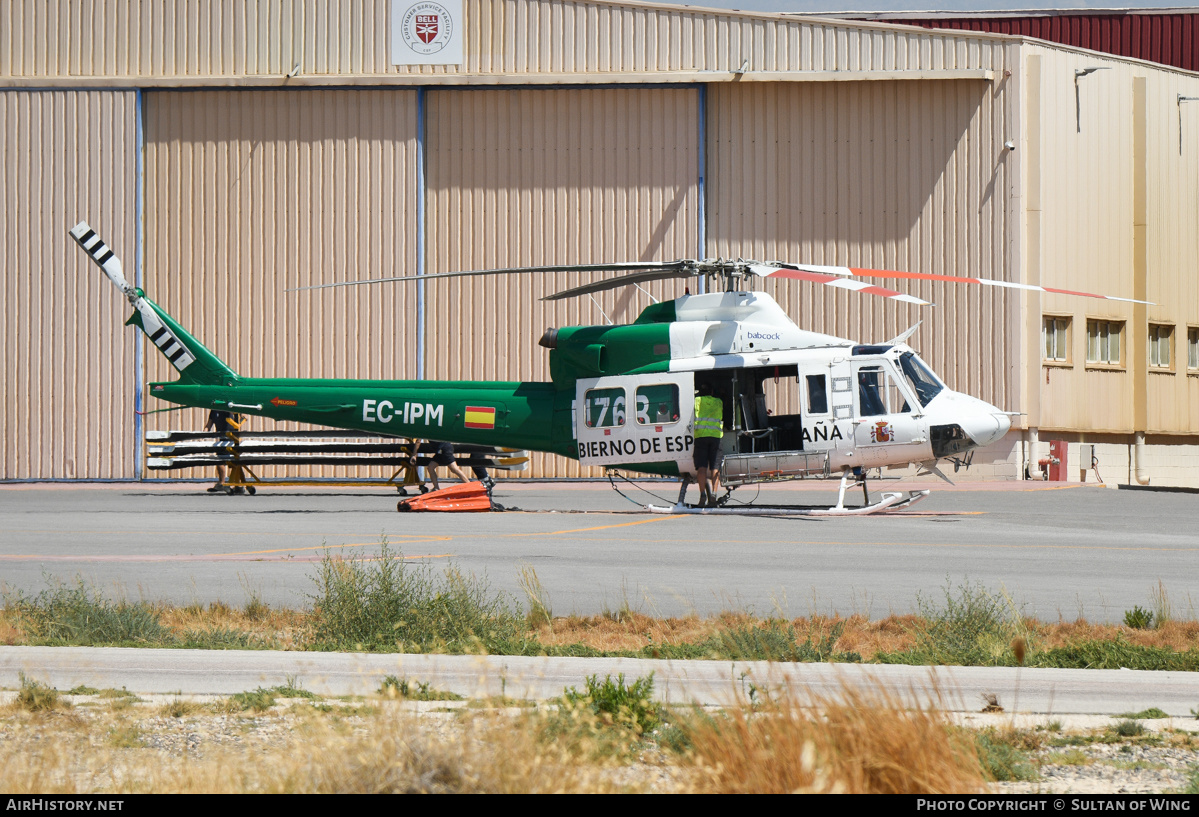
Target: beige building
{"type": "Point", "coordinates": [230, 151]}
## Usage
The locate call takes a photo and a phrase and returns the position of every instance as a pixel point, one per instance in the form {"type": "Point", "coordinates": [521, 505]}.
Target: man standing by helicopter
{"type": "Point", "coordinates": [709, 429]}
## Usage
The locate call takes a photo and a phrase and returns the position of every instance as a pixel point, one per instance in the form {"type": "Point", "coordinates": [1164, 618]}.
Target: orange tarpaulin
{"type": "Point", "coordinates": [466, 496]}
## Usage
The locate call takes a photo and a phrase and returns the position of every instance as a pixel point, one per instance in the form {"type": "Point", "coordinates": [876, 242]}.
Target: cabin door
{"type": "Point", "coordinates": [629, 419]}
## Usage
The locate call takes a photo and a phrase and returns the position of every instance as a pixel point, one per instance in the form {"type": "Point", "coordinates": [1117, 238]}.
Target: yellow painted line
{"type": "Point", "coordinates": [601, 527]}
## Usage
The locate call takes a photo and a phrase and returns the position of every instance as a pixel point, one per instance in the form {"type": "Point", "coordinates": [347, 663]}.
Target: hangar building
{"type": "Point", "coordinates": [232, 150]}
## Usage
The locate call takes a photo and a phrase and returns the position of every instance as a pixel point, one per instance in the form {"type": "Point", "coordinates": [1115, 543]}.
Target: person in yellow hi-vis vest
{"type": "Point", "coordinates": [709, 429]}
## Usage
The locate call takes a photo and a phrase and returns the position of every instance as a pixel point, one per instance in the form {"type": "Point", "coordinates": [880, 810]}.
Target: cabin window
{"type": "Point", "coordinates": [604, 408]}
{"type": "Point", "coordinates": [1055, 336]}
{"type": "Point", "coordinates": [658, 404]}
{"type": "Point", "coordinates": [1161, 341]}
{"type": "Point", "coordinates": [817, 393]}
{"type": "Point", "coordinates": [1103, 342]}
{"type": "Point", "coordinates": [878, 393]}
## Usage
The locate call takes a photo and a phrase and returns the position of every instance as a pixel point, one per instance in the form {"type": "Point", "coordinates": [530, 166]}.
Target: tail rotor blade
{"type": "Point", "coordinates": [104, 257]}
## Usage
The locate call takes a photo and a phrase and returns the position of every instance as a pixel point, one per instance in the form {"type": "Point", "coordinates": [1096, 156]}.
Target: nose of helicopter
{"type": "Point", "coordinates": [985, 424]}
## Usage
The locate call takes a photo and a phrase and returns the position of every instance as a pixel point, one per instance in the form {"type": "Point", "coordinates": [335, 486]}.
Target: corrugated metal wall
{"type": "Point", "coordinates": [67, 367]}
{"type": "Point", "coordinates": [566, 176]}
{"type": "Point", "coordinates": [1171, 39]}
{"type": "Point", "coordinates": [250, 193]}
{"type": "Point", "coordinates": [897, 175]}
{"type": "Point", "coordinates": [1089, 192]}
{"type": "Point", "coordinates": [247, 38]}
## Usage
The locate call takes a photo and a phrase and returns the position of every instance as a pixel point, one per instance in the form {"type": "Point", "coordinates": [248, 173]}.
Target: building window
{"type": "Point", "coordinates": [1161, 338]}
{"type": "Point", "coordinates": [1193, 348]}
{"type": "Point", "coordinates": [1103, 342]}
{"type": "Point", "coordinates": [1055, 332]}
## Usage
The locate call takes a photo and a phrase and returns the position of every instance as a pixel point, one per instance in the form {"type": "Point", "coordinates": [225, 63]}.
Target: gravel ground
{"type": "Point", "coordinates": [1082, 754]}
{"type": "Point", "coordinates": [1077, 754]}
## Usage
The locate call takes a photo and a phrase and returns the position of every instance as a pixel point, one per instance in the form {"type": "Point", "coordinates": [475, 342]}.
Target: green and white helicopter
{"type": "Point", "coordinates": [622, 396]}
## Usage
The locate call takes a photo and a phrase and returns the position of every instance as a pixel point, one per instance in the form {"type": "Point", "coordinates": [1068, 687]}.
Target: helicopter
{"type": "Point", "coordinates": [621, 396]}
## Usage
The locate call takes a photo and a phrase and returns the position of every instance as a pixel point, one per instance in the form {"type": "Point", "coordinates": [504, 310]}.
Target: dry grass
{"type": "Point", "coordinates": [636, 631]}
{"type": "Point", "coordinates": [389, 752]}
{"type": "Point", "coordinates": [285, 627]}
{"type": "Point", "coordinates": [1173, 634]}
{"type": "Point", "coordinates": [631, 632]}
{"type": "Point", "coordinates": [858, 741]}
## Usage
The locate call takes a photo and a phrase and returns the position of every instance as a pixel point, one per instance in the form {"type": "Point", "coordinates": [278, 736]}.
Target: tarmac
{"type": "Point", "coordinates": [1058, 550]}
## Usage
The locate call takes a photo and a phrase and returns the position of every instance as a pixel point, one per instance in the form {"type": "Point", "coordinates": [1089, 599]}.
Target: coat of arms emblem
{"type": "Point", "coordinates": [882, 432]}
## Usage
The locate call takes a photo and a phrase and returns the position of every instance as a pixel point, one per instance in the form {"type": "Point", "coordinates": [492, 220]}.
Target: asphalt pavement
{"type": "Point", "coordinates": [1064, 551]}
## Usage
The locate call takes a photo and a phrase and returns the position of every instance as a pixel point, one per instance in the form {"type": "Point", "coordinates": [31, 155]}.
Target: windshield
{"type": "Point", "coordinates": [920, 377]}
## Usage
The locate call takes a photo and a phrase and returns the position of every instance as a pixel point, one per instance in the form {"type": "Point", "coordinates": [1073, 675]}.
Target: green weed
{"type": "Point", "coordinates": [972, 627]}
{"type": "Point", "coordinates": [75, 615]}
{"type": "Point", "coordinates": [293, 689]}
{"type": "Point", "coordinates": [222, 638]}
{"type": "Point", "coordinates": [771, 640]}
{"type": "Point", "coordinates": [37, 697]}
{"type": "Point", "coordinates": [258, 700]}
{"type": "Point", "coordinates": [83, 690]}
{"type": "Point", "coordinates": [1151, 713]}
{"type": "Point", "coordinates": [615, 703]}
{"type": "Point", "coordinates": [540, 611]}
{"type": "Point", "coordinates": [1001, 760]}
{"type": "Point", "coordinates": [395, 687]}
{"type": "Point", "coordinates": [387, 605]}
{"type": "Point", "coordinates": [255, 609]}
{"type": "Point", "coordinates": [1070, 757]}
{"type": "Point", "coordinates": [607, 720]}
{"type": "Point", "coordinates": [1114, 655]}
{"type": "Point", "coordinates": [1138, 618]}
{"type": "Point", "coordinates": [126, 736]}
{"type": "Point", "coordinates": [1129, 729]}
{"type": "Point", "coordinates": [179, 708]}
{"type": "Point", "coordinates": [1192, 786]}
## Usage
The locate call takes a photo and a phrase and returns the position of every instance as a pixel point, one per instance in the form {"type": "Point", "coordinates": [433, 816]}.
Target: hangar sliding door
{"type": "Point", "coordinates": [66, 360]}
{"type": "Point", "coordinates": [536, 177]}
{"type": "Point", "coordinates": [251, 193]}
{"type": "Point", "coordinates": [901, 175]}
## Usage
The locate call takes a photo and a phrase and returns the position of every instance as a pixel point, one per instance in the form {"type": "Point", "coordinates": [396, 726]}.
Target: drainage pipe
{"type": "Point", "coordinates": [1030, 454]}
{"type": "Point", "coordinates": [1138, 458]}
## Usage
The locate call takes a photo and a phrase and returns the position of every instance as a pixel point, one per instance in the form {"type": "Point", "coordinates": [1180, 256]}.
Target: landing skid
{"type": "Point", "coordinates": [889, 501]}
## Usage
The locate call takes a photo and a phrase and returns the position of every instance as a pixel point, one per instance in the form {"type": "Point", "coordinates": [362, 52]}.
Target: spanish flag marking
{"type": "Point", "coordinates": [479, 417]}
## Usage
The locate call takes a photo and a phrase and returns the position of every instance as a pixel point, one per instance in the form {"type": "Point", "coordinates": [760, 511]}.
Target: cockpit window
{"type": "Point", "coordinates": [920, 377]}
{"type": "Point", "coordinates": [878, 393]}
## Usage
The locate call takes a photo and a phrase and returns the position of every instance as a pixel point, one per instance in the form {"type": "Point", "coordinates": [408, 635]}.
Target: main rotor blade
{"type": "Point", "coordinates": [830, 276]}
{"type": "Point", "coordinates": [614, 283]}
{"type": "Point", "coordinates": [929, 276]}
{"type": "Point", "coordinates": [634, 265]}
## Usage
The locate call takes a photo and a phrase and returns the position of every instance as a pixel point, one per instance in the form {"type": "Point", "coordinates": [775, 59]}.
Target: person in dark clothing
{"type": "Point", "coordinates": [443, 455]}
{"type": "Point", "coordinates": [223, 422]}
